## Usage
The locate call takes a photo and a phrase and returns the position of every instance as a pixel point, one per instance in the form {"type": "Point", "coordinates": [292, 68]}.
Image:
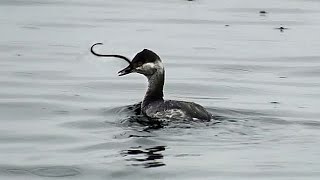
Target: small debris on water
{"type": "Point", "coordinates": [275, 102]}
{"type": "Point", "coordinates": [281, 28]}
{"type": "Point", "coordinates": [263, 12]}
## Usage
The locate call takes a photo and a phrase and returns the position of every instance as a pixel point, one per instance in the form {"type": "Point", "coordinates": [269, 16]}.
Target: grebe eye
{"type": "Point", "coordinates": [139, 64]}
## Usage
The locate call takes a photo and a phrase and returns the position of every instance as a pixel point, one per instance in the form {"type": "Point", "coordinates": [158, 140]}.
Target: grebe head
{"type": "Point", "coordinates": [145, 62]}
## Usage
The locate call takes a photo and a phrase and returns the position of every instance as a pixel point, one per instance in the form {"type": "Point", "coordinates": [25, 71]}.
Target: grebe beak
{"type": "Point", "coordinates": [125, 71]}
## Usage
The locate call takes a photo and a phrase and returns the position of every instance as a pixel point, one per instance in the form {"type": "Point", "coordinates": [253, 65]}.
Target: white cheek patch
{"type": "Point", "coordinates": [151, 67]}
{"type": "Point", "coordinates": [146, 66]}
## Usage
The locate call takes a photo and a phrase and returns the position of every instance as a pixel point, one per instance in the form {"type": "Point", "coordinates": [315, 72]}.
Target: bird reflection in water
{"type": "Point", "coordinates": [146, 157]}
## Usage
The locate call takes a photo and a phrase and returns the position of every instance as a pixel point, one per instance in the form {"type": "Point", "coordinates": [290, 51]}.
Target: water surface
{"type": "Point", "coordinates": [63, 111]}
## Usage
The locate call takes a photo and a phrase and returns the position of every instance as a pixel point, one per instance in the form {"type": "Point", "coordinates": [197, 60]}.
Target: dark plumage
{"type": "Point", "coordinates": [153, 105]}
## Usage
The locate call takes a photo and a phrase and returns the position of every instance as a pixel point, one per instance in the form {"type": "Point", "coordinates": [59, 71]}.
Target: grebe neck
{"type": "Point", "coordinates": [155, 87]}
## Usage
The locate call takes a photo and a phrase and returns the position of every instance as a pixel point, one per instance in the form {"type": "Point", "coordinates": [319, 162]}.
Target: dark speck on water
{"type": "Point", "coordinates": [281, 28]}
{"type": "Point", "coordinates": [274, 102]}
{"type": "Point", "coordinates": [263, 12]}
{"type": "Point", "coordinates": [65, 114]}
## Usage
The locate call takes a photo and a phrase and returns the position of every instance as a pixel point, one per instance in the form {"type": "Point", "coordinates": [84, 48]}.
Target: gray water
{"type": "Point", "coordinates": [63, 110]}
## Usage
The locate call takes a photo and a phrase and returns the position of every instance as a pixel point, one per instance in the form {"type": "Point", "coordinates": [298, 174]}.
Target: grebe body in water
{"type": "Point", "coordinates": [153, 105]}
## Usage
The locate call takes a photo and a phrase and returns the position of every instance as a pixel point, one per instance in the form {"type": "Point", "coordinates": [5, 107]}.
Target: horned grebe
{"type": "Point", "coordinates": [153, 105]}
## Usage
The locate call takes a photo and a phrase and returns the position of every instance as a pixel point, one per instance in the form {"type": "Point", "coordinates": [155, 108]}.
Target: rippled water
{"type": "Point", "coordinates": [64, 112]}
